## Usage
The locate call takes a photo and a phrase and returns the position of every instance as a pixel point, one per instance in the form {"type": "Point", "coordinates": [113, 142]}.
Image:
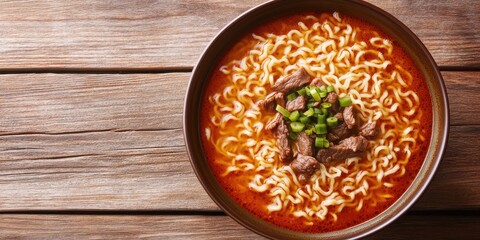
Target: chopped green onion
{"type": "Point", "coordinates": [310, 104]}
{"type": "Point", "coordinates": [292, 96]}
{"type": "Point", "coordinates": [345, 101]}
{"type": "Point", "coordinates": [304, 119]}
{"type": "Point", "coordinates": [323, 88]}
{"type": "Point", "coordinates": [314, 94]}
{"type": "Point", "coordinates": [302, 92]}
{"type": "Point", "coordinates": [321, 118]}
{"type": "Point", "coordinates": [332, 122]}
{"type": "Point", "coordinates": [323, 94]}
{"type": "Point", "coordinates": [309, 131]}
{"type": "Point", "coordinates": [326, 105]}
{"type": "Point", "coordinates": [282, 111]}
{"type": "Point", "coordinates": [292, 136]}
{"type": "Point", "coordinates": [294, 116]}
{"type": "Point", "coordinates": [324, 111]}
{"type": "Point", "coordinates": [309, 112]}
{"type": "Point", "coordinates": [307, 91]}
{"type": "Point", "coordinates": [317, 110]}
{"type": "Point", "coordinates": [326, 143]}
{"type": "Point", "coordinates": [319, 142]}
{"type": "Point", "coordinates": [297, 126]}
{"type": "Point", "coordinates": [320, 128]}
{"type": "Point", "coordinates": [330, 88]}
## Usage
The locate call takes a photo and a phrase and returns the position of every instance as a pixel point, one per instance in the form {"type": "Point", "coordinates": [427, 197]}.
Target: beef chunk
{"type": "Point", "coordinates": [304, 167]}
{"type": "Point", "coordinates": [348, 117]}
{"type": "Point", "coordinates": [347, 148]}
{"type": "Point", "coordinates": [333, 99]}
{"type": "Point", "coordinates": [298, 103]}
{"type": "Point", "coordinates": [304, 144]}
{"type": "Point", "coordinates": [368, 129]}
{"type": "Point", "coordinates": [291, 82]}
{"type": "Point", "coordinates": [274, 122]}
{"type": "Point", "coordinates": [339, 132]}
{"type": "Point", "coordinates": [339, 116]}
{"type": "Point", "coordinates": [281, 132]}
{"type": "Point", "coordinates": [317, 82]}
{"type": "Point", "coordinates": [267, 103]}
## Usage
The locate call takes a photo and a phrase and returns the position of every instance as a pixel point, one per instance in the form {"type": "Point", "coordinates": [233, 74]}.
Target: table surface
{"type": "Point", "coordinates": [91, 142]}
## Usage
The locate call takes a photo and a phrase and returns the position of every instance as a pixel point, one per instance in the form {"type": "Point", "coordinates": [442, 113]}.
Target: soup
{"type": "Point", "coordinates": [354, 60]}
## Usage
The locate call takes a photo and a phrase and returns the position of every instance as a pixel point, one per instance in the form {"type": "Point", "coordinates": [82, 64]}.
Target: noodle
{"type": "Point", "coordinates": [328, 48]}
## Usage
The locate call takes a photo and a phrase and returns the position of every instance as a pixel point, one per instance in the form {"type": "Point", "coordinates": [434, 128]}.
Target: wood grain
{"type": "Point", "coordinates": [207, 227]}
{"type": "Point", "coordinates": [157, 35]}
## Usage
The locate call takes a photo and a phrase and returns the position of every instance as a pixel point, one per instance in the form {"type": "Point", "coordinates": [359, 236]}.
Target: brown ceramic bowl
{"type": "Point", "coordinates": [274, 9]}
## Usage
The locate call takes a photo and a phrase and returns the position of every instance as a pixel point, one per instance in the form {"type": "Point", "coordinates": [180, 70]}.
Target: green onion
{"type": "Point", "coordinates": [294, 116]}
{"type": "Point", "coordinates": [323, 88]}
{"type": "Point", "coordinates": [282, 111]}
{"type": "Point", "coordinates": [332, 122]}
{"type": "Point", "coordinates": [302, 92]}
{"type": "Point", "coordinates": [292, 136]}
{"type": "Point", "coordinates": [297, 126]}
{"type": "Point", "coordinates": [292, 96]}
{"type": "Point", "coordinates": [304, 119]}
{"type": "Point", "coordinates": [319, 142]}
{"type": "Point", "coordinates": [326, 143]}
{"type": "Point", "coordinates": [345, 101]}
{"type": "Point", "coordinates": [323, 94]}
{"type": "Point", "coordinates": [320, 128]}
{"type": "Point", "coordinates": [317, 110]}
{"type": "Point", "coordinates": [324, 111]}
{"type": "Point", "coordinates": [321, 118]}
{"type": "Point", "coordinates": [309, 112]}
{"type": "Point", "coordinates": [307, 91]}
{"type": "Point", "coordinates": [330, 88]}
{"type": "Point", "coordinates": [326, 105]}
{"type": "Point", "coordinates": [314, 94]}
{"type": "Point", "coordinates": [309, 131]}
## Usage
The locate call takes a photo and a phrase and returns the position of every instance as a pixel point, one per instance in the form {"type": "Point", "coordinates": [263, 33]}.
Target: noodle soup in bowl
{"type": "Point", "coordinates": [315, 119]}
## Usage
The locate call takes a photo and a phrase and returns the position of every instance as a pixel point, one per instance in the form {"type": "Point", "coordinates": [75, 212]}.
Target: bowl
{"type": "Point", "coordinates": [274, 9]}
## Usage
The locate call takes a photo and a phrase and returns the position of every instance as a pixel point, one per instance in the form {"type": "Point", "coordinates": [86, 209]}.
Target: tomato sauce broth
{"type": "Point", "coordinates": [236, 184]}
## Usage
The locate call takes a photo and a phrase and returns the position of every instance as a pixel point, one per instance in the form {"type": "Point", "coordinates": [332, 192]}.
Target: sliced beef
{"type": "Point", "coordinates": [298, 103]}
{"type": "Point", "coordinates": [339, 116]}
{"type": "Point", "coordinates": [317, 82]}
{"type": "Point", "coordinates": [304, 144]}
{"type": "Point", "coordinates": [368, 129]}
{"type": "Point", "coordinates": [274, 122]}
{"type": "Point", "coordinates": [280, 99]}
{"type": "Point", "coordinates": [304, 167]}
{"type": "Point", "coordinates": [339, 132]}
{"type": "Point", "coordinates": [332, 98]}
{"type": "Point", "coordinates": [281, 132]}
{"type": "Point", "coordinates": [270, 99]}
{"type": "Point", "coordinates": [347, 148]}
{"type": "Point", "coordinates": [291, 82]}
{"type": "Point", "coordinates": [348, 117]}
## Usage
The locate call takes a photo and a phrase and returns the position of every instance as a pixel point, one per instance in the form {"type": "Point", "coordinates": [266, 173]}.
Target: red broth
{"type": "Point", "coordinates": [236, 184]}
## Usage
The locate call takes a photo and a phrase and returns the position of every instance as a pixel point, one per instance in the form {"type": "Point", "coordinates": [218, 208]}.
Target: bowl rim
{"type": "Point", "coordinates": [193, 142]}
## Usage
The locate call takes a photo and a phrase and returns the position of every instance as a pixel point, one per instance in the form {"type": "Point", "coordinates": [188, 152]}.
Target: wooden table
{"type": "Point", "coordinates": [91, 98]}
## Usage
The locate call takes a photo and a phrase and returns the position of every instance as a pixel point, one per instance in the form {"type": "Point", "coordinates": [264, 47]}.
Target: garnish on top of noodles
{"type": "Point", "coordinates": [314, 125]}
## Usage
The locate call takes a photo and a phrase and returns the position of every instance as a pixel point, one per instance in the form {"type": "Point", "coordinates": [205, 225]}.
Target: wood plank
{"type": "Point", "coordinates": [119, 35]}
{"type": "Point", "coordinates": [67, 103]}
{"type": "Point", "coordinates": [59, 103]}
{"type": "Point", "coordinates": [207, 227]}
